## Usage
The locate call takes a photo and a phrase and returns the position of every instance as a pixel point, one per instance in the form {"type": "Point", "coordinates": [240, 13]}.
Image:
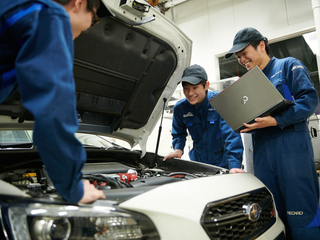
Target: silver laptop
{"type": "Point", "coordinates": [252, 96]}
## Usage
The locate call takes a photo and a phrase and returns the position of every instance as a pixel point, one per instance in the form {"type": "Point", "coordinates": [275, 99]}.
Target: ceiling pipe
{"type": "Point", "coordinates": [172, 3]}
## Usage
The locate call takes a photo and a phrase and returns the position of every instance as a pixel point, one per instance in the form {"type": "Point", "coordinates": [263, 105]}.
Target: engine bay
{"type": "Point", "coordinates": [117, 180]}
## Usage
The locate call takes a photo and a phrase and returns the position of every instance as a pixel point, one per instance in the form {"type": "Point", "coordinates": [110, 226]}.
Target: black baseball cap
{"type": "Point", "coordinates": [194, 74]}
{"type": "Point", "coordinates": [243, 38]}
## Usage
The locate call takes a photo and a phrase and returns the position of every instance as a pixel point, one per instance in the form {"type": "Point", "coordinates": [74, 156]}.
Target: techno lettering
{"type": "Point", "coordinates": [276, 74]}
{"type": "Point", "coordinates": [293, 213]}
{"type": "Point", "coordinates": [295, 67]}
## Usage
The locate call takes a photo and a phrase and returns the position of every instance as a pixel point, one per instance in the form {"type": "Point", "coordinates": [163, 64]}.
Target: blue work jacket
{"type": "Point", "coordinates": [36, 56]}
{"type": "Point", "coordinates": [214, 141]}
{"type": "Point", "coordinates": [291, 78]}
{"type": "Point", "coordinates": [283, 157]}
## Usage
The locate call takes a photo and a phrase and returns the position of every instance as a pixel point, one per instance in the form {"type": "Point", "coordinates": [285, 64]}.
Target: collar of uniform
{"type": "Point", "coordinates": [269, 65]}
{"type": "Point", "coordinates": [204, 102]}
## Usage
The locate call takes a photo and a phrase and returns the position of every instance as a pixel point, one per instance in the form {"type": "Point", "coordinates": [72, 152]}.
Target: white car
{"type": "Point", "coordinates": [126, 68]}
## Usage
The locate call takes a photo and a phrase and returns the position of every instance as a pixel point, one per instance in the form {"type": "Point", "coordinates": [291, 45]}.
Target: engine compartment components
{"type": "Point", "coordinates": [106, 176]}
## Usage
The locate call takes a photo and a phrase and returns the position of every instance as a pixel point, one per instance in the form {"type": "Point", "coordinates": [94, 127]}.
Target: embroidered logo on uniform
{"type": "Point", "coordinates": [189, 114]}
{"type": "Point", "coordinates": [276, 74]}
{"type": "Point", "coordinates": [295, 213]}
{"type": "Point", "coordinates": [296, 67]}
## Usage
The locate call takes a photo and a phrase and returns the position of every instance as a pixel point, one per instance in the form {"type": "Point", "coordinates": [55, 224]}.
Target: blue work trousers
{"type": "Point", "coordinates": [284, 162]}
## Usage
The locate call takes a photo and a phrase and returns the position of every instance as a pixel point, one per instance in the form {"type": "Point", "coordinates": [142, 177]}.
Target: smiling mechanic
{"type": "Point", "coordinates": [36, 56]}
{"type": "Point", "coordinates": [282, 149]}
{"type": "Point", "coordinates": [214, 141]}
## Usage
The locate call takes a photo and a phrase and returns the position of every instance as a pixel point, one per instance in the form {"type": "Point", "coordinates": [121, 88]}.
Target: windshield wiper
{"type": "Point", "coordinates": [113, 147]}
{"type": "Point", "coordinates": [16, 145]}
{"type": "Point", "coordinates": [117, 147]}
{"type": "Point", "coordinates": [92, 146]}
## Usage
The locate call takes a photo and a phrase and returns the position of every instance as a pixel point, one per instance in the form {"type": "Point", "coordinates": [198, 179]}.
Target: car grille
{"type": "Point", "coordinates": [229, 219]}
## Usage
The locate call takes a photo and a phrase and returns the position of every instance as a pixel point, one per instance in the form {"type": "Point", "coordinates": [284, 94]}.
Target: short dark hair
{"type": "Point", "coordinates": [202, 82]}
{"type": "Point", "coordinates": [91, 4]}
{"type": "Point", "coordinates": [256, 43]}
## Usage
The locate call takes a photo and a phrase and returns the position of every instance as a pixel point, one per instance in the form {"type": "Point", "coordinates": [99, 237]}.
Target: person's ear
{"type": "Point", "coordinates": [207, 85]}
{"type": "Point", "coordinates": [77, 4]}
{"type": "Point", "coordinates": [262, 46]}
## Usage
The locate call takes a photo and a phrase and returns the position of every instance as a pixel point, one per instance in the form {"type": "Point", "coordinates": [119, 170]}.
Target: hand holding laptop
{"type": "Point", "coordinates": [261, 122]}
{"type": "Point", "coordinates": [250, 98]}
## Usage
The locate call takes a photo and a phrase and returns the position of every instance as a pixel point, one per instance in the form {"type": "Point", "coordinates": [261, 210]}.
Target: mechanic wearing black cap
{"type": "Point", "coordinates": [214, 141]}
{"type": "Point", "coordinates": [282, 150]}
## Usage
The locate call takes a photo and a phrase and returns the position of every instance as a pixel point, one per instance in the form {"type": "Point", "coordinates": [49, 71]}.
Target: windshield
{"type": "Point", "coordinates": [93, 140]}
{"type": "Point", "coordinates": [15, 137]}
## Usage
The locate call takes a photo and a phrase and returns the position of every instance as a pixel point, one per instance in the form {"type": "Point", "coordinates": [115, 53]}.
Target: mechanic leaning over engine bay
{"type": "Point", "coordinates": [36, 57]}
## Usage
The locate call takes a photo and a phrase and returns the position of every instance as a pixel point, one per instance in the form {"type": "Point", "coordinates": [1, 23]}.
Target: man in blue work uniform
{"type": "Point", "coordinates": [214, 141]}
{"type": "Point", "coordinates": [36, 56]}
{"type": "Point", "coordinates": [282, 149]}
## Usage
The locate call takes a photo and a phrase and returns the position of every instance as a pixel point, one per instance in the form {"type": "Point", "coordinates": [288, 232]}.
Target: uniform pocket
{"type": "Point", "coordinates": [215, 134]}
{"type": "Point", "coordinates": [213, 123]}
{"type": "Point", "coordinates": [282, 86]}
{"type": "Point", "coordinates": [194, 127]}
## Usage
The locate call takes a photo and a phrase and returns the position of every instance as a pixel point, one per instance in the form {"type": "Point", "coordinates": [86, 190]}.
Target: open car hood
{"type": "Point", "coordinates": [125, 68]}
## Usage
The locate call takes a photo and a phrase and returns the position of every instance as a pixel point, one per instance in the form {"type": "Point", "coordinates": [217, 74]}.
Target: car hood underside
{"type": "Point", "coordinates": [115, 91]}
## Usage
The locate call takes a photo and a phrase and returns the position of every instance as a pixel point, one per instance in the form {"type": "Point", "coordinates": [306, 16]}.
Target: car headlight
{"type": "Point", "coordinates": [56, 222]}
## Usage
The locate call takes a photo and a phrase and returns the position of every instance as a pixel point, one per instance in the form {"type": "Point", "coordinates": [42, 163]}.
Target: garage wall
{"type": "Point", "coordinates": [212, 24]}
